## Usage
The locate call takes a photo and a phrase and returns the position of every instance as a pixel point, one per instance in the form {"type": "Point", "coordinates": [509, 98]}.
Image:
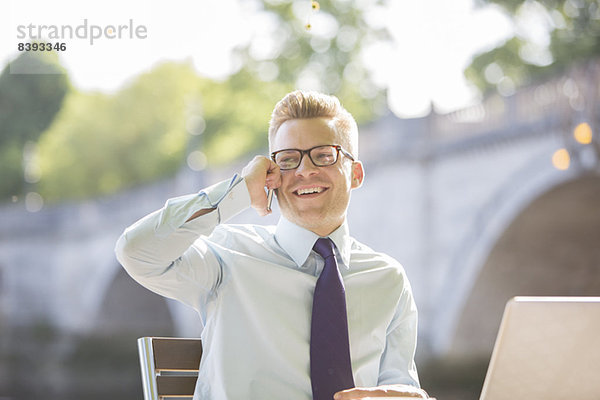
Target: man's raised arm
{"type": "Point", "coordinates": [161, 252]}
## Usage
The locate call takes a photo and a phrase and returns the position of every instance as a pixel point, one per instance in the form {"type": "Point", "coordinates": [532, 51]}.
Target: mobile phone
{"type": "Point", "coordinates": [269, 199]}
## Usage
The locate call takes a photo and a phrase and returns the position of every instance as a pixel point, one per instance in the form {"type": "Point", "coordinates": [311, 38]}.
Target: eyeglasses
{"type": "Point", "coordinates": [321, 156]}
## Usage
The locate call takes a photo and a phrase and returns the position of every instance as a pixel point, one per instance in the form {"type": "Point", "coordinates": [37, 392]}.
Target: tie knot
{"type": "Point", "coordinates": [324, 246]}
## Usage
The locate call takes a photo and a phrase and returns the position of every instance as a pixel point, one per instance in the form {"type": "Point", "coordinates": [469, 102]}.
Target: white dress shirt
{"type": "Point", "coordinates": [253, 287]}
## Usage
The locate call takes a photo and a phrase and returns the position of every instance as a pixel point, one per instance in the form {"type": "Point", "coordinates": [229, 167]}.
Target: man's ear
{"type": "Point", "coordinates": [358, 174]}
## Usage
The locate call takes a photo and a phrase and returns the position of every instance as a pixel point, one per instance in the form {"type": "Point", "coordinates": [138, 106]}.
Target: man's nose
{"type": "Point", "coordinates": [306, 167]}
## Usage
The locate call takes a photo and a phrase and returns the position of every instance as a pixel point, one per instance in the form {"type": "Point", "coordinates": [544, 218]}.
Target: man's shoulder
{"type": "Point", "coordinates": [362, 254]}
{"type": "Point", "coordinates": [253, 232]}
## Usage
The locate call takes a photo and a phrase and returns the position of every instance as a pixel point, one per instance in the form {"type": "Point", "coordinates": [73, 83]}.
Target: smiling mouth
{"type": "Point", "coordinates": [309, 191]}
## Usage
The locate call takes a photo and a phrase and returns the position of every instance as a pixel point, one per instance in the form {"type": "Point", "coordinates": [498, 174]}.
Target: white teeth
{"type": "Point", "coordinates": [310, 190]}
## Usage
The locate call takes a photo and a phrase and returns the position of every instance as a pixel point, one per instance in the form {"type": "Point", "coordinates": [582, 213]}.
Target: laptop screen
{"type": "Point", "coordinates": [547, 348]}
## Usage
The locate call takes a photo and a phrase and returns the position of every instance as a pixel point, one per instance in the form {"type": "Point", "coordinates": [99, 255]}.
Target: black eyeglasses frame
{"type": "Point", "coordinates": [337, 147]}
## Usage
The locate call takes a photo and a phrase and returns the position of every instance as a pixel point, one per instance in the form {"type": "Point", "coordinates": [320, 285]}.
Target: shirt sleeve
{"type": "Point", "coordinates": [397, 362]}
{"type": "Point", "coordinates": [168, 255]}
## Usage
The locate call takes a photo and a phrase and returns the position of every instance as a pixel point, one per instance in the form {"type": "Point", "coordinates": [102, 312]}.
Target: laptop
{"type": "Point", "coordinates": [547, 348]}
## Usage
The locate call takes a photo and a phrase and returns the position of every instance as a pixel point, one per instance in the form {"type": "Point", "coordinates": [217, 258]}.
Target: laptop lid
{"type": "Point", "coordinates": [547, 348]}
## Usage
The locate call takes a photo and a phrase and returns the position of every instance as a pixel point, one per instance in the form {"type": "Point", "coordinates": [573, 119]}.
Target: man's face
{"type": "Point", "coordinates": [315, 198]}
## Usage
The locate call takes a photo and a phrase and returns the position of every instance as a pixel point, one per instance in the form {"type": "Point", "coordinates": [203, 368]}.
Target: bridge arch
{"type": "Point", "coordinates": [492, 220]}
{"type": "Point", "coordinates": [550, 248]}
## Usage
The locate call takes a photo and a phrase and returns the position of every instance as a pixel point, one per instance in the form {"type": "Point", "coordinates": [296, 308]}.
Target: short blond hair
{"type": "Point", "coordinates": [301, 104]}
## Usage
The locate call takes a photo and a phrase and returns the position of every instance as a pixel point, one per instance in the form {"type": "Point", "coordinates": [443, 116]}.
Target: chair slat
{"type": "Point", "coordinates": [175, 385]}
{"type": "Point", "coordinates": [177, 353]}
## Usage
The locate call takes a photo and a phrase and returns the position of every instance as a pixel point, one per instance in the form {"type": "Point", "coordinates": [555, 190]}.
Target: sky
{"type": "Point", "coordinates": [434, 41]}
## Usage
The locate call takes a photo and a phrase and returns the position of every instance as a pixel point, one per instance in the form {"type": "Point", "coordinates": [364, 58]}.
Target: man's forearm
{"type": "Point", "coordinates": [159, 252]}
{"type": "Point", "coordinates": [144, 249]}
{"type": "Point", "coordinates": [157, 240]}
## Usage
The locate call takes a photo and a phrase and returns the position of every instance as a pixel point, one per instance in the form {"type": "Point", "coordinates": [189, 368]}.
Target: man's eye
{"type": "Point", "coordinates": [324, 157]}
{"type": "Point", "coordinates": [288, 160]}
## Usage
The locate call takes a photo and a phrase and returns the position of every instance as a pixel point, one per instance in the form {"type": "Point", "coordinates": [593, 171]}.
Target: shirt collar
{"type": "Point", "coordinates": [298, 241]}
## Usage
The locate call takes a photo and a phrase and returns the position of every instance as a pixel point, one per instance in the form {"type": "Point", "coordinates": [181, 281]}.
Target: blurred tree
{"type": "Point", "coordinates": [28, 104]}
{"type": "Point", "coordinates": [318, 45]}
{"type": "Point", "coordinates": [237, 113]}
{"type": "Point", "coordinates": [101, 143]}
{"type": "Point", "coordinates": [550, 35]}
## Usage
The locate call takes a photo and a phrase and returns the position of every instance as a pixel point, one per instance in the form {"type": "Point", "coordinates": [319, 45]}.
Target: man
{"type": "Point", "coordinates": [258, 289]}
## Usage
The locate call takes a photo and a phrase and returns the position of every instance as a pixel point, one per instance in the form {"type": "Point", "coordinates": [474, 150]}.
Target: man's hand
{"type": "Point", "coordinates": [261, 172]}
{"type": "Point", "coordinates": [381, 391]}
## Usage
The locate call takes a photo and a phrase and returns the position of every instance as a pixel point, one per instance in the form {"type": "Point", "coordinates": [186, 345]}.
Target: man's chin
{"type": "Point", "coordinates": [304, 218]}
{"type": "Point", "coordinates": [312, 220]}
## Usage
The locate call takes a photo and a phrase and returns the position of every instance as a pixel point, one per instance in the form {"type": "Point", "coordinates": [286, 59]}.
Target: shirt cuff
{"type": "Point", "coordinates": [229, 197]}
{"type": "Point", "coordinates": [235, 200]}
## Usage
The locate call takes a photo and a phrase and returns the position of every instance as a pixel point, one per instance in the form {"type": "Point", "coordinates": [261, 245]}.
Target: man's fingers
{"type": "Point", "coordinates": [355, 393]}
{"type": "Point", "coordinates": [255, 174]}
{"type": "Point", "coordinates": [261, 173]}
{"type": "Point", "coordinates": [260, 203]}
{"type": "Point", "coordinates": [400, 391]}
{"type": "Point", "coordinates": [273, 178]}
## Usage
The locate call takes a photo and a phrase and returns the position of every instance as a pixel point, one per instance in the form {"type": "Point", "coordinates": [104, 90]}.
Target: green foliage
{"type": "Point", "coordinates": [237, 113]}
{"type": "Point", "coordinates": [506, 57]}
{"type": "Point", "coordinates": [574, 35]}
{"type": "Point", "coordinates": [11, 165]}
{"type": "Point", "coordinates": [102, 143]}
{"type": "Point", "coordinates": [28, 104]}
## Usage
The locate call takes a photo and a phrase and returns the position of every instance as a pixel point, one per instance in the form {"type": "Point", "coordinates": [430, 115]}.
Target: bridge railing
{"type": "Point", "coordinates": [555, 104]}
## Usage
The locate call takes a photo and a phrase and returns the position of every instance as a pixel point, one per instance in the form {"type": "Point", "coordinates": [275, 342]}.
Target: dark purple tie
{"type": "Point", "coordinates": [330, 368]}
